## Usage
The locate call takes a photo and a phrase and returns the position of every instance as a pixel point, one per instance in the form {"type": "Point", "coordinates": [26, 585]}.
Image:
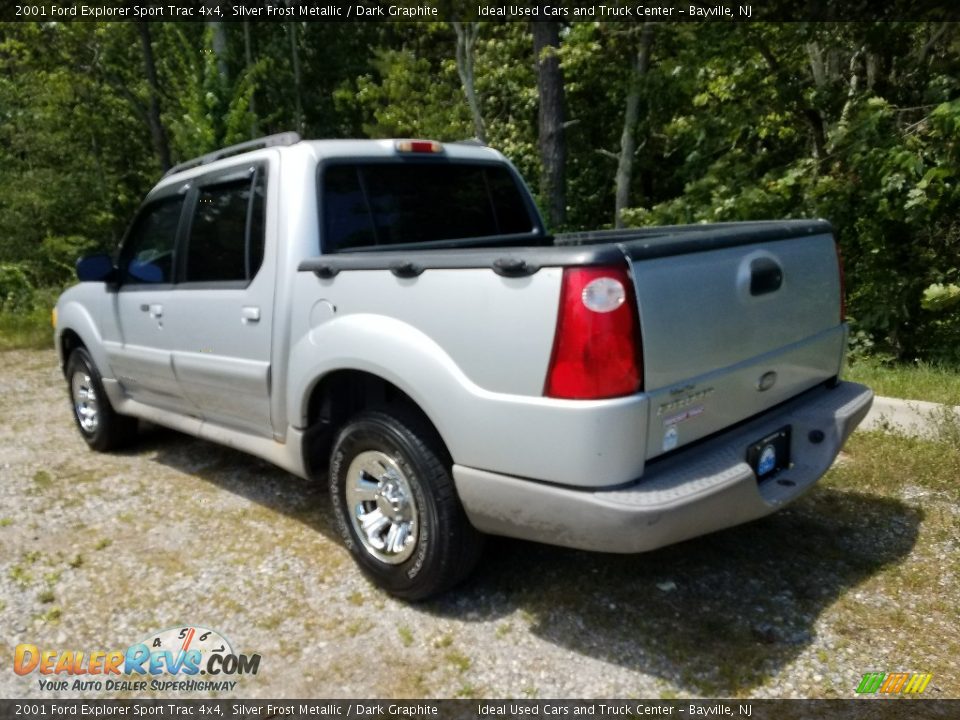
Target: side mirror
{"type": "Point", "coordinates": [145, 271]}
{"type": "Point", "coordinates": [96, 268]}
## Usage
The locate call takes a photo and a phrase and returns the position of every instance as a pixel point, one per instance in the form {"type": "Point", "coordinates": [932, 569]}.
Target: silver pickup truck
{"type": "Point", "coordinates": [392, 316]}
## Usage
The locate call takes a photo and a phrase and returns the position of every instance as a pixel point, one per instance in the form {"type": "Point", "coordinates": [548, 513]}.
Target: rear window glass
{"type": "Point", "coordinates": [226, 236]}
{"type": "Point", "coordinates": [378, 204]}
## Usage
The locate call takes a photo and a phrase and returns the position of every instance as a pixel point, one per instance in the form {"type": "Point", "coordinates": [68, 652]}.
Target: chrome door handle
{"type": "Point", "coordinates": [156, 311]}
{"type": "Point", "coordinates": [249, 314]}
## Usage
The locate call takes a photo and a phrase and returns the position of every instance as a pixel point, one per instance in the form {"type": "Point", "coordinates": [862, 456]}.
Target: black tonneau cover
{"type": "Point", "coordinates": [518, 255]}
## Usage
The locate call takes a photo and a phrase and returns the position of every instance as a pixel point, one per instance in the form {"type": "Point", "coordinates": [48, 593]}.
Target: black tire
{"type": "Point", "coordinates": [100, 425]}
{"type": "Point", "coordinates": [441, 547]}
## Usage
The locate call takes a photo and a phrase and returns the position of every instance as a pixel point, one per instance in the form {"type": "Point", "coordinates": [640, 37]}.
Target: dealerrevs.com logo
{"type": "Point", "coordinates": [170, 660]}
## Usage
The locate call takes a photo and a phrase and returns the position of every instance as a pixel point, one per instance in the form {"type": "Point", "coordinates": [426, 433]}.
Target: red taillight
{"type": "Point", "coordinates": [843, 284]}
{"type": "Point", "coordinates": [596, 350]}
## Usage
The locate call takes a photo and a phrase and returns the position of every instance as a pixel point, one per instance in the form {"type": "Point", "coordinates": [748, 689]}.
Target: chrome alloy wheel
{"type": "Point", "coordinates": [382, 508]}
{"type": "Point", "coordinates": [85, 403]}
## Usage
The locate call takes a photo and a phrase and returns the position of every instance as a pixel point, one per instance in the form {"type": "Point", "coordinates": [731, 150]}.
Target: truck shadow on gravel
{"type": "Point", "coordinates": [717, 615]}
{"type": "Point", "coordinates": [714, 616]}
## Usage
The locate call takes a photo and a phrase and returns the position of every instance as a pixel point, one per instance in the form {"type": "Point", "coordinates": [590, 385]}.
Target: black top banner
{"type": "Point", "coordinates": [635, 11]}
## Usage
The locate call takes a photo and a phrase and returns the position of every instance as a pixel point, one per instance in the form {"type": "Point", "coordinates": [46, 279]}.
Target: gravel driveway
{"type": "Point", "coordinates": [99, 551]}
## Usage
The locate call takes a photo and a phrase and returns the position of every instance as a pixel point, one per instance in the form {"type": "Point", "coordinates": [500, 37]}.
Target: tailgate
{"type": "Point", "coordinates": [731, 331]}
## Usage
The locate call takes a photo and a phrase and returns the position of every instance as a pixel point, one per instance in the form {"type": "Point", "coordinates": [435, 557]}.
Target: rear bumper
{"type": "Point", "coordinates": [693, 492]}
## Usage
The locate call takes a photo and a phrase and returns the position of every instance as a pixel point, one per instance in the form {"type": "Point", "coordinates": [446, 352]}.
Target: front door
{"type": "Point", "coordinates": [135, 331]}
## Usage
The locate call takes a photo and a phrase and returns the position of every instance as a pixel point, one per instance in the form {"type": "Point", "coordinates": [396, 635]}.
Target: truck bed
{"type": "Point", "coordinates": [735, 318]}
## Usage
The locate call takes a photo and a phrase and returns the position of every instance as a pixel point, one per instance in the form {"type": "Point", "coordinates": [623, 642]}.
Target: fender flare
{"type": "Point", "coordinates": [386, 348]}
{"type": "Point", "coordinates": [74, 316]}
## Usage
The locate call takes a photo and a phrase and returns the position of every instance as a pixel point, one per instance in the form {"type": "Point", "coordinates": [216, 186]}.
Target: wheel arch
{"type": "Point", "coordinates": [339, 395]}
{"type": "Point", "coordinates": [76, 327]}
{"type": "Point", "coordinates": [70, 340]}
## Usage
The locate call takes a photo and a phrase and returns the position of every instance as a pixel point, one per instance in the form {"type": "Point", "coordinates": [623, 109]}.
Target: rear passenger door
{"type": "Point", "coordinates": [219, 318]}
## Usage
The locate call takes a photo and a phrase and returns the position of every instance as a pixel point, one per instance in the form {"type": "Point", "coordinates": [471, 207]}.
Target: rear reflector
{"type": "Point", "coordinates": [419, 146]}
{"type": "Point", "coordinates": [596, 349]}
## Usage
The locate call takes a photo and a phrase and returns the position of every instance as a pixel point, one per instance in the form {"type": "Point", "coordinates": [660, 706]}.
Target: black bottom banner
{"type": "Point", "coordinates": [867, 708]}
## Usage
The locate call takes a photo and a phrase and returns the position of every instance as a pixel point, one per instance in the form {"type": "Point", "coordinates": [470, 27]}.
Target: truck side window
{"type": "Point", "coordinates": [227, 232]}
{"type": "Point", "coordinates": [147, 256]}
{"type": "Point", "coordinates": [257, 225]}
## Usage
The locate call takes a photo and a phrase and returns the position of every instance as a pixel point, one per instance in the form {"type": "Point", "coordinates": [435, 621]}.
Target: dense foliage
{"type": "Point", "coordinates": [858, 123]}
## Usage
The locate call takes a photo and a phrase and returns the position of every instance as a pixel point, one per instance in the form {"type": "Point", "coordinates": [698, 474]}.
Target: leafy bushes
{"type": "Point", "coordinates": [878, 157]}
{"type": "Point", "coordinates": [16, 290]}
{"type": "Point", "coordinates": [24, 309]}
{"type": "Point", "coordinates": [858, 123]}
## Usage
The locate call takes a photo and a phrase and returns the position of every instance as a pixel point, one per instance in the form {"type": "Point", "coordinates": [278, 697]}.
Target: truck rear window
{"type": "Point", "coordinates": [376, 204]}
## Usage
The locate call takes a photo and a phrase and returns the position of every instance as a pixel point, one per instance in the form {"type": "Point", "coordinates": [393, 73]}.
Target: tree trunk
{"type": "Point", "coordinates": [297, 79]}
{"type": "Point", "coordinates": [219, 39]}
{"type": "Point", "coordinates": [628, 140]}
{"type": "Point", "coordinates": [546, 43]}
{"type": "Point", "coordinates": [248, 59]}
{"type": "Point", "coordinates": [157, 132]}
{"type": "Point", "coordinates": [924, 54]}
{"type": "Point", "coordinates": [466, 39]}
{"type": "Point", "coordinates": [817, 65]}
{"type": "Point", "coordinates": [793, 94]}
{"type": "Point", "coordinates": [853, 87]}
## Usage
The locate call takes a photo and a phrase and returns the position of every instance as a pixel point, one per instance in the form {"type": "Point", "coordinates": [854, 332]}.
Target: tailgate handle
{"type": "Point", "coordinates": [766, 276]}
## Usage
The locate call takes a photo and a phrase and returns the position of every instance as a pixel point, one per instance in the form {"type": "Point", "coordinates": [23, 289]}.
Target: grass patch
{"type": "Point", "coordinates": [443, 641]}
{"type": "Point", "coordinates": [6, 522]}
{"type": "Point", "coordinates": [358, 627]}
{"type": "Point", "coordinates": [52, 615]}
{"type": "Point", "coordinates": [271, 622]}
{"type": "Point", "coordinates": [459, 661]}
{"type": "Point", "coordinates": [468, 692]}
{"type": "Point", "coordinates": [911, 602]}
{"type": "Point", "coordinates": [890, 465]}
{"type": "Point", "coordinates": [406, 635]}
{"type": "Point", "coordinates": [103, 544]}
{"type": "Point", "coordinates": [917, 381]}
{"type": "Point", "coordinates": [26, 331]}
{"type": "Point", "coordinates": [42, 479]}
{"type": "Point", "coordinates": [20, 575]}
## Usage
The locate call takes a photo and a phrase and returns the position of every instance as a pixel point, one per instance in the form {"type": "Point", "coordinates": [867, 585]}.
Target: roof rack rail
{"type": "Point", "coordinates": [279, 139]}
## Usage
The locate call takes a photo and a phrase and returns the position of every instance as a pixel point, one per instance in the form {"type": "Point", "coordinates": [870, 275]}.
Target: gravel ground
{"type": "Point", "coordinates": [100, 551]}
